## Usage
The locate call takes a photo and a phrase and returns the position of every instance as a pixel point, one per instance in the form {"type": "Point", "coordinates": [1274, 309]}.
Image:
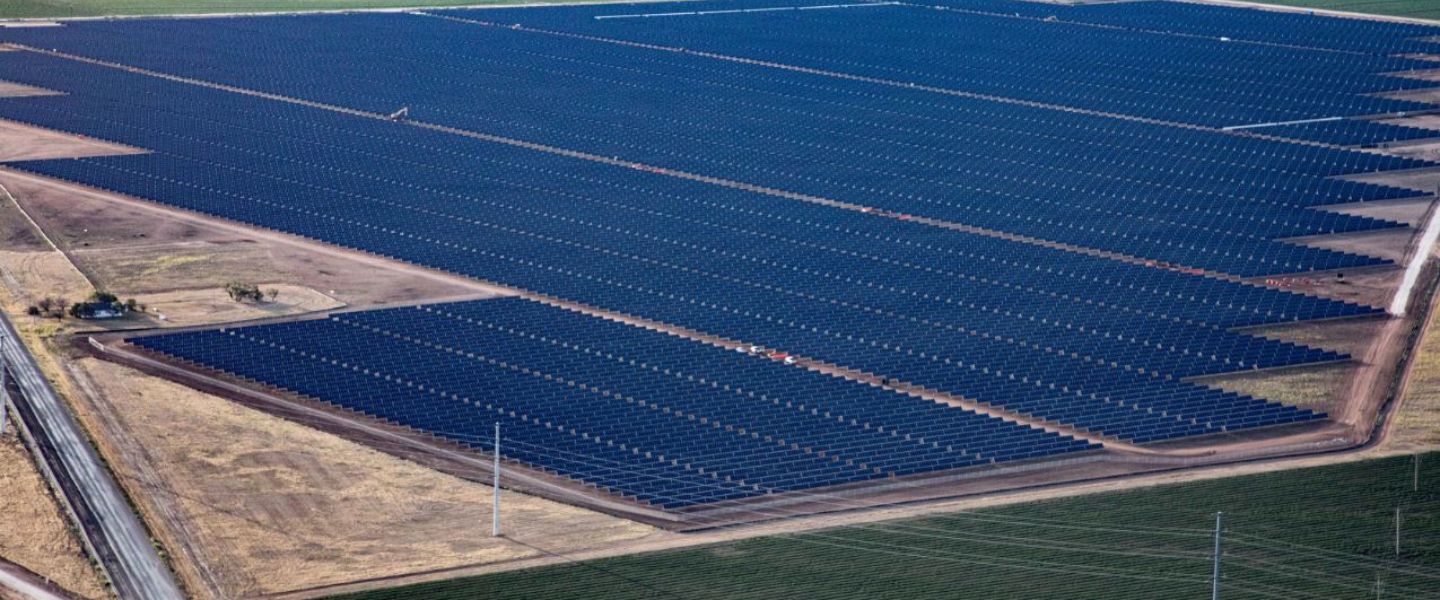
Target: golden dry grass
{"type": "Point", "coordinates": [1417, 424]}
{"type": "Point", "coordinates": [1319, 388]}
{"type": "Point", "coordinates": [212, 305]}
{"type": "Point", "coordinates": [278, 506]}
{"type": "Point", "coordinates": [32, 532]}
{"type": "Point", "coordinates": [34, 275]}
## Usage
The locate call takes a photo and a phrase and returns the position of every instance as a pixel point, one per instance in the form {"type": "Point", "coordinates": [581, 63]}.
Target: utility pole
{"type": "Point", "coordinates": [1215, 574]}
{"type": "Point", "coordinates": [495, 521]}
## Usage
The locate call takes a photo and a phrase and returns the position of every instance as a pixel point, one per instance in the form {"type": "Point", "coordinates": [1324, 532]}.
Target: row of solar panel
{"type": "Point", "coordinates": [1212, 214]}
{"type": "Point", "coordinates": [639, 412]}
{"type": "Point", "coordinates": [1371, 36]}
{"type": "Point", "coordinates": [1183, 78]}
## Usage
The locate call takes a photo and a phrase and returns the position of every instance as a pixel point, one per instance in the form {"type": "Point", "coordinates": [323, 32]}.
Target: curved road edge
{"type": "Point", "coordinates": [108, 525]}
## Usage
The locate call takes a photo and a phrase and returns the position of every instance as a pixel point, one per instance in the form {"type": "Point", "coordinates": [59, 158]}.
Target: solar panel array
{"type": "Point", "coordinates": [1202, 65]}
{"type": "Point", "coordinates": [966, 314]}
{"type": "Point", "coordinates": [644, 414]}
{"type": "Point", "coordinates": [1164, 193]}
{"type": "Point", "coordinates": [1066, 336]}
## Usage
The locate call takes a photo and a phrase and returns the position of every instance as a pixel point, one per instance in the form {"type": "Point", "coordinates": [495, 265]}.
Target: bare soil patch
{"type": "Point", "coordinates": [1410, 211]}
{"type": "Point", "coordinates": [1431, 121]}
{"type": "Point", "coordinates": [1351, 336]}
{"type": "Point", "coordinates": [1389, 244]}
{"type": "Point", "coordinates": [211, 305]}
{"type": "Point", "coordinates": [1431, 95]}
{"type": "Point", "coordinates": [1423, 75]}
{"type": "Point", "coordinates": [1371, 286]}
{"type": "Point", "coordinates": [135, 249]}
{"type": "Point", "coordinates": [29, 276]}
{"type": "Point", "coordinates": [16, 233]}
{"type": "Point", "coordinates": [266, 505]}
{"type": "Point", "coordinates": [1422, 181]}
{"type": "Point", "coordinates": [23, 142]}
{"type": "Point", "coordinates": [33, 534]}
{"type": "Point", "coordinates": [19, 90]}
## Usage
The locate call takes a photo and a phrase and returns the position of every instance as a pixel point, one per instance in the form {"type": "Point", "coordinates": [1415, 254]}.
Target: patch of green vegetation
{"type": "Point", "coordinates": [1324, 532]}
{"type": "Point", "coordinates": [1417, 9]}
{"type": "Point", "coordinates": [54, 9]}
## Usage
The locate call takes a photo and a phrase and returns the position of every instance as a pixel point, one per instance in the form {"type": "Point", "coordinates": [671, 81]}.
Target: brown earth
{"type": "Point", "coordinates": [1410, 211]}
{"type": "Point", "coordinates": [33, 534]}
{"type": "Point", "coordinates": [1389, 244]}
{"type": "Point", "coordinates": [17, 90]}
{"type": "Point", "coordinates": [23, 142]}
{"type": "Point", "coordinates": [133, 249]}
{"type": "Point", "coordinates": [1422, 180]}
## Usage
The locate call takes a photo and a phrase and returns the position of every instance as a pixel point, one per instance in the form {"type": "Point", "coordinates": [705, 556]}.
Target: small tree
{"type": "Point", "coordinates": [45, 304]}
{"type": "Point", "coordinates": [61, 305]}
{"type": "Point", "coordinates": [82, 310]}
{"type": "Point", "coordinates": [33, 311]}
{"type": "Point", "coordinates": [241, 292]}
{"type": "Point", "coordinates": [131, 305]}
{"type": "Point", "coordinates": [103, 297]}
{"type": "Point", "coordinates": [272, 294]}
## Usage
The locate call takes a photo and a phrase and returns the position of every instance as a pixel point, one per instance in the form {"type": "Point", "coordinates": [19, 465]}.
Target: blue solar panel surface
{"type": "Point", "coordinates": [997, 317]}
{"type": "Point", "coordinates": [654, 417]}
{"type": "Point", "coordinates": [1079, 179]}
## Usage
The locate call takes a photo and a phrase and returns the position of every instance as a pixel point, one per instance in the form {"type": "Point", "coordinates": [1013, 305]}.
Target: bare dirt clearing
{"type": "Point", "coordinates": [1408, 211]}
{"type": "Point", "coordinates": [212, 305]}
{"type": "Point", "coordinates": [1389, 244]}
{"type": "Point", "coordinates": [135, 250]}
{"type": "Point", "coordinates": [279, 506]}
{"type": "Point", "coordinates": [16, 90]}
{"type": "Point", "coordinates": [1422, 181]}
{"type": "Point", "coordinates": [22, 142]}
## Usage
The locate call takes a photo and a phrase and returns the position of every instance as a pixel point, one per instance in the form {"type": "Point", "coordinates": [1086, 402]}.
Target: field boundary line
{"type": "Point", "coordinates": [46, 237]}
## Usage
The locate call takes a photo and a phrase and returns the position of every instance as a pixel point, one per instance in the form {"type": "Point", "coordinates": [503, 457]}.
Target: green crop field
{"type": "Point", "coordinates": [1323, 533]}
{"type": "Point", "coordinates": [20, 9]}
{"type": "Point", "coordinates": [1418, 9]}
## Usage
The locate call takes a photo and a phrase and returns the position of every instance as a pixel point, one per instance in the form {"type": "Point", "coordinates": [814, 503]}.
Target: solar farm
{"type": "Point", "coordinates": [747, 260]}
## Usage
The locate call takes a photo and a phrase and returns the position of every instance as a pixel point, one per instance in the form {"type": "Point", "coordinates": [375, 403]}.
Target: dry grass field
{"type": "Point", "coordinates": [1416, 425]}
{"type": "Point", "coordinates": [33, 534]}
{"type": "Point", "coordinates": [266, 505]}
